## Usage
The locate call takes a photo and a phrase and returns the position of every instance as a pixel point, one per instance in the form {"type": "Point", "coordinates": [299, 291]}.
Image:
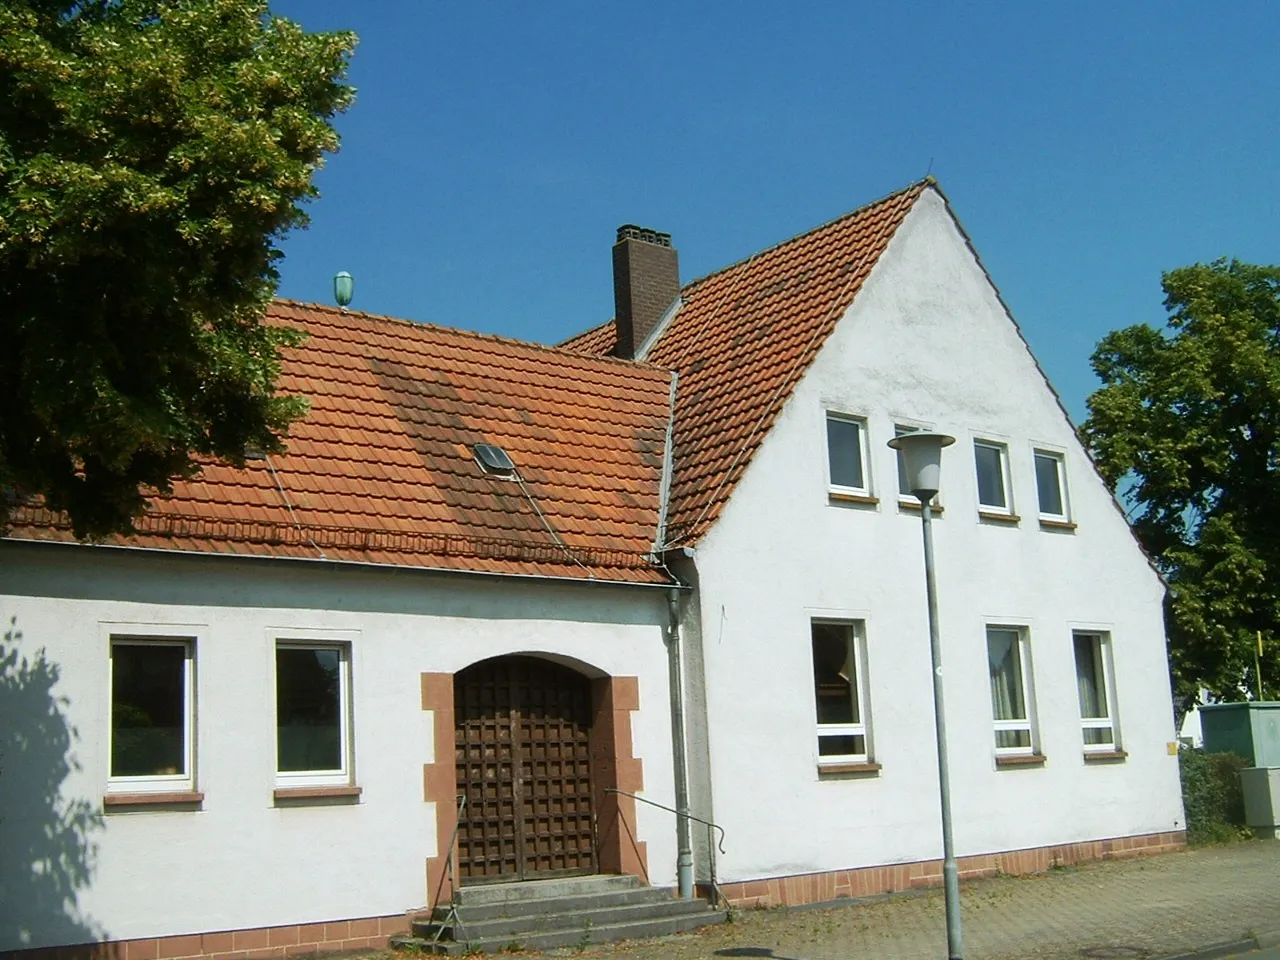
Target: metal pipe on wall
{"type": "Point", "coordinates": [675, 679]}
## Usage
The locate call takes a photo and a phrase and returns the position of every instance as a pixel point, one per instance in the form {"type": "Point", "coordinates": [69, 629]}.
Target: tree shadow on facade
{"type": "Point", "coordinates": [46, 840]}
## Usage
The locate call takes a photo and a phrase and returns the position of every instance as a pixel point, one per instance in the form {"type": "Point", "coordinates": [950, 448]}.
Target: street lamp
{"type": "Point", "coordinates": [922, 459]}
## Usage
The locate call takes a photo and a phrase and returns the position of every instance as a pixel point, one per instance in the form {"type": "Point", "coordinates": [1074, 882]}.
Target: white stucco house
{"type": "Point", "coordinates": [671, 558]}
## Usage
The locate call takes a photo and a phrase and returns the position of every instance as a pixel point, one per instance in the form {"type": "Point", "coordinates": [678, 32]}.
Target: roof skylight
{"type": "Point", "coordinates": [494, 460]}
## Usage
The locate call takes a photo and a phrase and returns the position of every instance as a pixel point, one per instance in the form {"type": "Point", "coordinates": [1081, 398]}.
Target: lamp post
{"type": "Point", "coordinates": [922, 458]}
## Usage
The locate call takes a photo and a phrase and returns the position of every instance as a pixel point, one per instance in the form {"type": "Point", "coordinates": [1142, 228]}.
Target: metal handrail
{"type": "Point", "coordinates": [712, 842]}
{"type": "Point", "coordinates": [449, 871]}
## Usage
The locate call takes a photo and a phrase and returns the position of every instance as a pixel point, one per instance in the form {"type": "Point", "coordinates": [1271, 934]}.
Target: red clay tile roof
{"type": "Point", "coordinates": [742, 339]}
{"type": "Point", "coordinates": [381, 468]}
{"type": "Point", "coordinates": [596, 342]}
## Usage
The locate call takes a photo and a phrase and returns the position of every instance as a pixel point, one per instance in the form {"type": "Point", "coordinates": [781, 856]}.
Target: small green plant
{"type": "Point", "coordinates": [1212, 796]}
{"type": "Point", "coordinates": [584, 941]}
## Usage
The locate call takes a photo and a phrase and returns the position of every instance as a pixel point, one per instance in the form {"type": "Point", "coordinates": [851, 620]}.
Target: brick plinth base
{"type": "Point", "coordinates": [870, 881]}
{"type": "Point", "coordinates": [259, 943]}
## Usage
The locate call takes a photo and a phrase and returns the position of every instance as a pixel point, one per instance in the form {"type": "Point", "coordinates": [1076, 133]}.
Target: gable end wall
{"type": "Point", "coordinates": [927, 342]}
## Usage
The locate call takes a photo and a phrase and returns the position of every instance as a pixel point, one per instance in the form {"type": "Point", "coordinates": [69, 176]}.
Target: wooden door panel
{"type": "Point", "coordinates": [523, 761]}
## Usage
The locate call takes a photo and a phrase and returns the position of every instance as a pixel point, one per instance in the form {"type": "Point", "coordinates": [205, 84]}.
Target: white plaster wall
{"type": "Point", "coordinates": [241, 861]}
{"type": "Point", "coordinates": [926, 342]}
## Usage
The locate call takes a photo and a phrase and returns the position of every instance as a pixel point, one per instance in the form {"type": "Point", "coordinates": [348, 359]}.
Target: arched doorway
{"type": "Point", "coordinates": [522, 748]}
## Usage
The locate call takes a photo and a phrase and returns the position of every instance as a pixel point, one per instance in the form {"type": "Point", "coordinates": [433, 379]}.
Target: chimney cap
{"type": "Point", "coordinates": [629, 231]}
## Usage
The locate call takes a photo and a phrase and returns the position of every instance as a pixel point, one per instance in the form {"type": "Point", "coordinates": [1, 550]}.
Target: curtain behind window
{"type": "Point", "coordinates": [1005, 662]}
{"type": "Point", "coordinates": [1089, 677]}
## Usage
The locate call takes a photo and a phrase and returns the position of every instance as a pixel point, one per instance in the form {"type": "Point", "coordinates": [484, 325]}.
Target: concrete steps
{"type": "Point", "coordinates": [545, 914]}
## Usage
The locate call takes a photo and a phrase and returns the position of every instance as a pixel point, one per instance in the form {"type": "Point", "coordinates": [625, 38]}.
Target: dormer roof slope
{"type": "Point", "coordinates": [382, 469]}
{"type": "Point", "coordinates": [740, 342]}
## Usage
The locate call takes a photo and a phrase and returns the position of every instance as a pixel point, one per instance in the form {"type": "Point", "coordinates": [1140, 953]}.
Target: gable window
{"type": "Point", "coordinates": [151, 715]}
{"type": "Point", "coordinates": [847, 454]}
{"type": "Point", "coordinates": [839, 691]}
{"type": "Point", "coordinates": [1051, 485]}
{"type": "Point", "coordinates": [1093, 683]}
{"type": "Point", "coordinates": [313, 714]}
{"type": "Point", "coordinates": [1008, 662]}
{"type": "Point", "coordinates": [992, 462]}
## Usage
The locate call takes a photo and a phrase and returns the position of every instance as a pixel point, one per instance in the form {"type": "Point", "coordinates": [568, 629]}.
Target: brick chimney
{"type": "Point", "coordinates": [646, 282]}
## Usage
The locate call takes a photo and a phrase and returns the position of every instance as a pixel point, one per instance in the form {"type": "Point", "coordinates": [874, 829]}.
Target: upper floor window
{"type": "Point", "coordinates": [1051, 484]}
{"type": "Point", "coordinates": [839, 691]}
{"type": "Point", "coordinates": [847, 454]}
{"type": "Point", "coordinates": [152, 715]}
{"type": "Point", "coordinates": [313, 714]}
{"type": "Point", "coordinates": [1093, 684]}
{"type": "Point", "coordinates": [992, 462]}
{"type": "Point", "coordinates": [1009, 664]}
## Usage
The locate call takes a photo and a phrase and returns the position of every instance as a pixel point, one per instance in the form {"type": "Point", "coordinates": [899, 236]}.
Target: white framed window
{"type": "Point", "coordinates": [839, 691]}
{"type": "Point", "coordinates": [152, 715]}
{"type": "Point", "coordinates": [1096, 690]}
{"type": "Point", "coordinates": [313, 713]}
{"type": "Point", "coordinates": [847, 460]}
{"type": "Point", "coordinates": [991, 461]}
{"type": "Point", "coordinates": [1051, 485]}
{"type": "Point", "coordinates": [1012, 711]}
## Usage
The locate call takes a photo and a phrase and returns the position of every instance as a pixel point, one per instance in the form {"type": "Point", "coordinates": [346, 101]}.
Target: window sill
{"type": "Point", "coordinates": [838, 496]}
{"type": "Point", "coordinates": [1049, 524]}
{"type": "Point", "coordinates": [913, 505]}
{"type": "Point", "coordinates": [1021, 760]}
{"type": "Point", "coordinates": [834, 770]}
{"type": "Point", "coordinates": [1105, 756]}
{"type": "Point", "coordinates": [335, 793]}
{"type": "Point", "coordinates": [993, 517]}
{"type": "Point", "coordinates": [178, 798]}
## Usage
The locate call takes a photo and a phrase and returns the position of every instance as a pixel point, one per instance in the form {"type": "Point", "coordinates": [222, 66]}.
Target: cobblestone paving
{"type": "Point", "coordinates": [1131, 908]}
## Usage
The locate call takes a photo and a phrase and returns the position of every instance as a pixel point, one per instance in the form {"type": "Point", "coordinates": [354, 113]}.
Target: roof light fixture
{"type": "Point", "coordinates": [344, 287]}
{"type": "Point", "coordinates": [494, 460]}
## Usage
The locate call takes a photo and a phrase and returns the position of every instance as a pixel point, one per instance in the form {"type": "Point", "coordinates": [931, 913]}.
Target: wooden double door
{"type": "Point", "coordinates": [522, 739]}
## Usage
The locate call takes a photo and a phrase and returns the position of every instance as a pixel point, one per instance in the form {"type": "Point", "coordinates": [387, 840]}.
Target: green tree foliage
{"type": "Point", "coordinates": [1188, 422]}
{"type": "Point", "coordinates": [152, 154]}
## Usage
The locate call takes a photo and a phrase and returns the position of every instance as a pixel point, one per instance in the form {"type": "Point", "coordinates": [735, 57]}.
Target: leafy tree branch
{"type": "Point", "coordinates": [1188, 422]}
{"type": "Point", "coordinates": [152, 155]}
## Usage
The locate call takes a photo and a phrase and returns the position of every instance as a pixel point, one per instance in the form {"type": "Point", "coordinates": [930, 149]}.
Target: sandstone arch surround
{"type": "Point", "coordinates": [618, 850]}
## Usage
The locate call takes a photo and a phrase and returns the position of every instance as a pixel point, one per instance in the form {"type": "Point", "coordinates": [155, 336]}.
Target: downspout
{"type": "Point", "coordinates": [675, 655]}
{"type": "Point", "coordinates": [684, 848]}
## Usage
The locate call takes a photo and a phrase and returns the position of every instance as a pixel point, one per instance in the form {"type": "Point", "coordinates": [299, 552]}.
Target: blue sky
{"type": "Point", "coordinates": [494, 148]}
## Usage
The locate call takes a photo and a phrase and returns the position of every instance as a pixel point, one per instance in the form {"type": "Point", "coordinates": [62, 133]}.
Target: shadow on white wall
{"type": "Point", "coordinates": [46, 840]}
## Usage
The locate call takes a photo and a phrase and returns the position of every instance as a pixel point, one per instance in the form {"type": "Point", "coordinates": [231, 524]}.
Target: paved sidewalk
{"type": "Point", "coordinates": [1152, 907]}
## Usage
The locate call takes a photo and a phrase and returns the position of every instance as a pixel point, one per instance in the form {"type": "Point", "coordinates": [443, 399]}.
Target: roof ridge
{"type": "Point", "coordinates": [928, 181]}
{"type": "Point", "coordinates": [473, 334]}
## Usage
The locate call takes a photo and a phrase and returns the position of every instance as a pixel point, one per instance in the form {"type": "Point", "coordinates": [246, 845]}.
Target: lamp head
{"type": "Point", "coordinates": [922, 457]}
{"type": "Point", "coordinates": [343, 288]}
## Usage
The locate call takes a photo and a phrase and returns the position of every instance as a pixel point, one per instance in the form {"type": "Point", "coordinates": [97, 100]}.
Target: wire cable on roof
{"type": "Point", "coordinates": [289, 506]}
{"type": "Point", "coordinates": [554, 536]}
{"type": "Point", "coordinates": [783, 384]}
{"type": "Point", "coordinates": [732, 289]}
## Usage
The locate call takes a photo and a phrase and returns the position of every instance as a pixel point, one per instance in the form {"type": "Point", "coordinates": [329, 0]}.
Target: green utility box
{"type": "Point", "coordinates": [1251, 730]}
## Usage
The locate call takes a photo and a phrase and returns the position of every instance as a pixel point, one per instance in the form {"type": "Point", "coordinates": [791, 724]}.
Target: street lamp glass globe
{"type": "Point", "coordinates": [922, 458]}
